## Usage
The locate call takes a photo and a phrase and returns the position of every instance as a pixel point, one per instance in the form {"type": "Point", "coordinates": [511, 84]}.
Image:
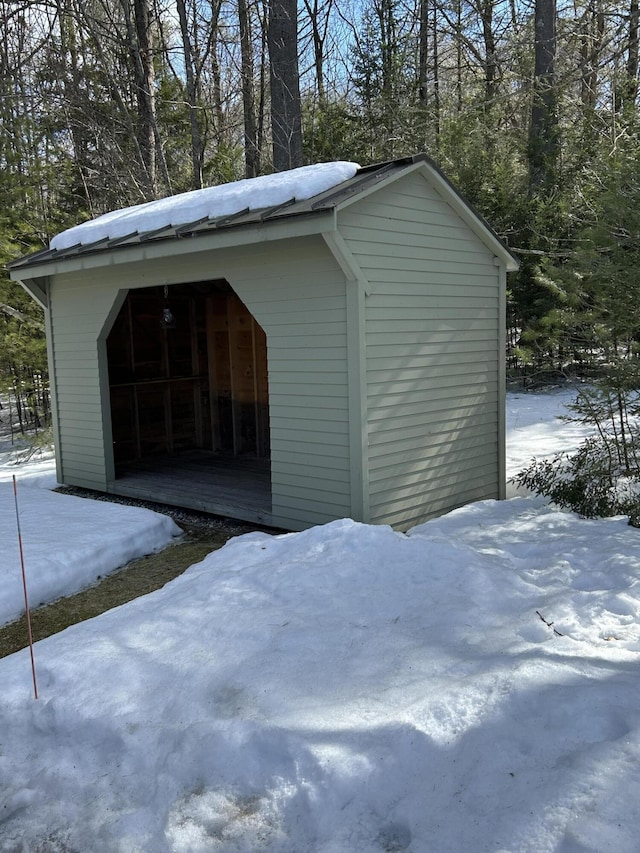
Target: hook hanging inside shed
{"type": "Point", "coordinates": [167, 321]}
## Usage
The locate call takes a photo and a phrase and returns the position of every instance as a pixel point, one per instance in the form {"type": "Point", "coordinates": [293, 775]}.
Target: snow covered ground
{"type": "Point", "coordinates": [533, 428]}
{"type": "Point", "coordinates": [68, 542]}
{"type": "Point", "coordinates": [472, 686]}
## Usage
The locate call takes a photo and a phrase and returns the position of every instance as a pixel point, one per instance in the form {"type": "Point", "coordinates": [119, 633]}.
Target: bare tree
{"type": "Point", "coordinates": [252, 141]}
{"type": "Point", "coordinates": [318, 17]}
{"type": "Point", "coordinates": [631, 82]}
{"type": "Point", "coordinates": [591, 42]}
{"type": "Point", "coordinates": [192, 80]}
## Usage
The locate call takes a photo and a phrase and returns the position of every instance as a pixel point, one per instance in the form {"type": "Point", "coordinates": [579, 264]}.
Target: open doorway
{"type": "Point", "coordinates": [188, 375]}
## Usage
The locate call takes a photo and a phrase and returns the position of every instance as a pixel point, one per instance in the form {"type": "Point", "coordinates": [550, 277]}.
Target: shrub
{"type": "Point", "coordinates": [601, 478]}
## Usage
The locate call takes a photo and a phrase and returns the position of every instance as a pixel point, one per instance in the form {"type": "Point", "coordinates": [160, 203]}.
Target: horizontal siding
{"type": "Point", "coordinates": [460, 378]}
{"type": "Point", "coordinates": [403, 462]}
{"type": "Point", "coordinates": [424, 360]}
{"type": "Point", "coordinates": [482, 311]}
{"type": "Point", "coordinates": [417, 476]}
{"type": "Point", "coordinates": [404, 254]}
{"type": "Point", "coordinates": [332, 385]}
{"type": "Point", "coordinates": [415, 376]}
{"type": "Point", "coordinates": [72, 357]}
{"type": "Point", "coordinates": [309, 442]}
{"type": "Point", "coordinates": [387, 443]}
{"type": "Point", "coordinates": [293, 421]}
{"type": "Point", "coordinates": [290, 473]}
{"type": "Point", "coordinates": [91, 468]}
{"type": "Point", "coordinates": [77, 317]}
{"type": "Point", "coordinates": [304, 316]}
{"type": "Point", "coordinates": [432, 335]}
{"type": "Point", "coordinates": [296, 291]}
{"type": "Point", "coordinates": [308, 407]}
{"type": "Point", "coordinates": [89, 411]}
{"type": "Point", "coordinates": [445, 402]}
{"type": "Point", "coordinates": [297, 369]}
{"type": "Point", "coordinates": [419, 435]}
{"type": "Point", "coordinates": [419, 492]}
{"type": "Point", "coordinates": [74, 476]}
{"type": "Point", "coordinates": [448, 484]}
{"type": "Point", "coordinates": [81, 440]}
{"type": "Point", "coordinates": [381, 281]}
{"type": "Point", "coordinates": [407, 514]}
{"type": "Point", "coordinates": [432, 331]}
{"type": "Point", "coordinates": [402, 353]}
{"type": "Point", "coordinates": [314, 464]}
{"type": "Point", "coordinates": [322, 498]}
{"type": "Point", "coordinates": [317, 343]}
{"type": "Point", "coordinates": [292, 516]}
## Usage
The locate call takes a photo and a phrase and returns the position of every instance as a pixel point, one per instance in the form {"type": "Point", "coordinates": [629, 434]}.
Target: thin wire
{"type": "Point", "coordinates": [24, 586]}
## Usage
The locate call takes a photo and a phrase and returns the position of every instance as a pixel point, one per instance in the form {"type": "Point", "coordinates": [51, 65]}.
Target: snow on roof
{"type": "Point", "coordinates": [225, 200]}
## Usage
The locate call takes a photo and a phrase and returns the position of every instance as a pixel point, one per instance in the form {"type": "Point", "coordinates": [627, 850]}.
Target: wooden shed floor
{"type": "Point", "coordinates": [236, 487]}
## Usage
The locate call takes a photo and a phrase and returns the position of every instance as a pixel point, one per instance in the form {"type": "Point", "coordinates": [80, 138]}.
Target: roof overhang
{"type": "Point", "coordinates": [291, 219]}
{"type": "Point", "coordinates": [141, 248]}
{"type": "Point", "coordinates": [36, 288]}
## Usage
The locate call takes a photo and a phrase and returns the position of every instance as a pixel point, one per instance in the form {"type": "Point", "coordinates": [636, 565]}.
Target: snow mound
{"type": "Point", "coordinates": [471, 686]}
{"type": "Point", "coordinates": [68, 543]}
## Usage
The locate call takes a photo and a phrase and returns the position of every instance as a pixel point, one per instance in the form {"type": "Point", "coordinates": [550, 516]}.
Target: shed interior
{"type": "Point", "coordinates": [188, 383]}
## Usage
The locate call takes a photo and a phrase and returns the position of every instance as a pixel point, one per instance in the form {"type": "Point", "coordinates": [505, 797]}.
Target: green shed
{"type": "Point", "coordinates": [287, 350]}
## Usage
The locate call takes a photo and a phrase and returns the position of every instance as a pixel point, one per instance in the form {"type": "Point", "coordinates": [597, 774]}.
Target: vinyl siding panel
{"type": "Point", "coordinates": [432, 315]}
{"type": "Point", "coordinates": [296, 291]}
{"type": "Point", "coordinates": [77, 317]}
{"type": "Point", "coordinates": [303, 312]}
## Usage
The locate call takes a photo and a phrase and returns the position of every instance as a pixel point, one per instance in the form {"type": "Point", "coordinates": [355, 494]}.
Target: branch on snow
{"type": "Point", "coordinates": [549, 625]}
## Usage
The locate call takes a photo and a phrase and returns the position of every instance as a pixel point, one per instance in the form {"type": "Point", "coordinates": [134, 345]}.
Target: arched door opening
{"type": "Point", "coordinates": [188, 383]}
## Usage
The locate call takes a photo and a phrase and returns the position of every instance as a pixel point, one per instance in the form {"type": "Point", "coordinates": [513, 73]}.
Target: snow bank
{"type": "Point", "coordinates": [68, 543]}
{"type": "Point", "coordinates": [347, 688]}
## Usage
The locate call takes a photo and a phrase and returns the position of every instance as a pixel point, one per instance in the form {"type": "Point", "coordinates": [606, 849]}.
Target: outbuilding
{"type": "Point", "coordinates": [288, 350]}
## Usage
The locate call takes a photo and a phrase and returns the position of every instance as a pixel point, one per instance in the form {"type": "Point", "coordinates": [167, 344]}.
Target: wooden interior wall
{"type": "Point", "coordinates": [238, 377]}
{"type": "Point", "coordinates": [202, 384]}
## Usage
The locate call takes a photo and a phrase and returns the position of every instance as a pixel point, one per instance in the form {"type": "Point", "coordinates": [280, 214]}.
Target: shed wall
{"type": "Point", "coordinates": [296, 291]}
{"type": "Point", "coordinates": [432, 320]}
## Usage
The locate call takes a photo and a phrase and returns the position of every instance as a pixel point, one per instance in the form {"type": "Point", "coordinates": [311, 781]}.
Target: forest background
{"type": "Point", "coordinates": [530, 108]}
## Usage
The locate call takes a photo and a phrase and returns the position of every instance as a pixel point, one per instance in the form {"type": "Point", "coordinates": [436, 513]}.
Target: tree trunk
{"type": "Point", "coordinates": [216, 73]}
{"type": "Point", "coordinates": [423, 53]}
{"type": "Point", "coordinates": [251, 147]}
{"type": "Point", "coordinates": [140, 45]}
{"type": "Point", "coordinates": [286, 108]}
{"type": "Point", "coordinates": [543, 133]}
{"type": "Point", "coordinates": [631, 87]}
{"type": "Point", "coordinates": [318, 35]}
{"type": "Point", "coordinates": [490, 62]}
{"type": "Point", "coordinates": [436, 77]}
{"type": "Point", "coordinates": [592, 33]}
{"type": "Point", "coordinates": [197, 151]}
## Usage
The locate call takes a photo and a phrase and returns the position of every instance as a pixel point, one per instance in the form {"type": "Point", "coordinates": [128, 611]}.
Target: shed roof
{"type": "Point", "coordinates": [362, 181]}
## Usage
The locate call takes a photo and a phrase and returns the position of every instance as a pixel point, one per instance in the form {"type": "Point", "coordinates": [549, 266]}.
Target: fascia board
{"type": "Point", "coordinates": [285, 228]}
{"type": "Point", "coordinates": [476, 224]}
{"type": "Point", "coordinates": [389, 178]}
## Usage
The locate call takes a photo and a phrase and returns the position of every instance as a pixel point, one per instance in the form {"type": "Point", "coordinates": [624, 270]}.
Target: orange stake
{"type": "Point", "coordinates": [24, 586]}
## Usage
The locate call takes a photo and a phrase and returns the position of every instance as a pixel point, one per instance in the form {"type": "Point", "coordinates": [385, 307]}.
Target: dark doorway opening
{"type": "Point", "coordinates": [187, 372]}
